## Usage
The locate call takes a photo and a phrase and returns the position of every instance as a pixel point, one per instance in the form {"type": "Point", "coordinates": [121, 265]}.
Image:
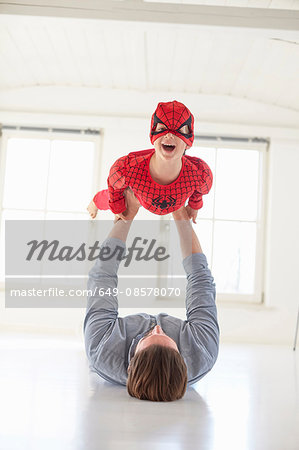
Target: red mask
{"type": "Point", "coordinates": [173, 115]}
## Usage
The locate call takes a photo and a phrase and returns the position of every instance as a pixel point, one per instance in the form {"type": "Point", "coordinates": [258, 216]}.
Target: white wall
{"type": "Point", "coordinates": [273, 322]}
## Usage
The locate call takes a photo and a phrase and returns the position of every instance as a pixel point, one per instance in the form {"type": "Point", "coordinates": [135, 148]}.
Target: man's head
{"type": "Point", "coordinates": [172, 124]}
{"type": "Point", "coordinates": [156, 336]}
{"type": "Point", "coordinates": [157, 371]}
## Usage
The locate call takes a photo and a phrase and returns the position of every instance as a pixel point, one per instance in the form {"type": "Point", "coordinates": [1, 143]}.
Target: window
{"type": "Point", "coordinates": [46, 175]}
{"type": "Point", "coordinates": [231, 223]}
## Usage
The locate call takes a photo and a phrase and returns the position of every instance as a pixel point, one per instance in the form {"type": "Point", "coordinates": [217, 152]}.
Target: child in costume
{"type": "Point", "coordinates": [162, 178]}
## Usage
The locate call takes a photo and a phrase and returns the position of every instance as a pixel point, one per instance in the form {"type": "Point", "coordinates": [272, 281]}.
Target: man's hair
{"type": "Point", "coordinates": [157, 373]}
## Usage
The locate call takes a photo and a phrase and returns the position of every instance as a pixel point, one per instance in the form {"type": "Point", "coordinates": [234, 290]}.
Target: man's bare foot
{"type": "Point", "coordinates": [92, 209]}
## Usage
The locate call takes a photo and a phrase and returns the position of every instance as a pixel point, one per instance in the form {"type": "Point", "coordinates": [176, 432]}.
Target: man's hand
{"type": "Point", "coordinates": [181, 214]}
{"type": "Point", "coordinates": [192, 213]}
{"type": "Point", "coordinates": [132, 204]}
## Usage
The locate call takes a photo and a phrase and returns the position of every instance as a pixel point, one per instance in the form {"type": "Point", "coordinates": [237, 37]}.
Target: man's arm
{"type": "Point", "coordinates": [200, 292]}
{"type": "Point", "coordinates": [188, 239]}
{"type": "Point", "coordinates": [102, 302]}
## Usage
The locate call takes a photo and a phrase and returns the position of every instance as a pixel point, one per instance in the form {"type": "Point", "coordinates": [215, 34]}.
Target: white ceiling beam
{"type": "Point", "coordinates": [170, 13]}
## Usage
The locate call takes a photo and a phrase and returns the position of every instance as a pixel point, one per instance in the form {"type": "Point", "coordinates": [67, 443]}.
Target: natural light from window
{"type": "Point", "coordinates": [46, 179]}
{"type": "Point", "coordinates": [228, 222]}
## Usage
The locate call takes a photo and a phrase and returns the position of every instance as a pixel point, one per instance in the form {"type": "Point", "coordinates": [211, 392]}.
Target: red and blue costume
{"type": "Point", "coordinates": [132, 170]}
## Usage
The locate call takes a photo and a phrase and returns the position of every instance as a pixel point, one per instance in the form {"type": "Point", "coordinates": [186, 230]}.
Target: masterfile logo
{"type": "Point", "coordinates": [48, 263]}
{"type": "Point", "coordinates": [53, 251]}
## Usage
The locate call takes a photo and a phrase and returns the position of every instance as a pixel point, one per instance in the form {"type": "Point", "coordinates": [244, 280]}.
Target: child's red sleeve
{"type": "Point", "coordinates": [204, 185]}
{"type": "Point", "coordinates": [117, 184]}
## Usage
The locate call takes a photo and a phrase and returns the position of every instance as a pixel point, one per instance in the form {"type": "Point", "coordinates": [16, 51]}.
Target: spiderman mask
{"type": "Point", "coordinates": [173, 115]}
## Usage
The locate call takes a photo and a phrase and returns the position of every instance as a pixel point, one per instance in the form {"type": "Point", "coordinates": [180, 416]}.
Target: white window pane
{"type": "Point", "coordinates": [237, 175]}
{"type": "Point", "coordinates": [13, 214]}
{"type": "Point", "coordinates": [204, 231]}
{"type": "Point", "coordinates": [26, 173]}
{"type": "Point", "coordinates": [53, 215]}
{"type": "Point", "coordinates": [234, 257]}
{"type": "Point", "coordinates": [71, 173]}
{"type": "Point", "coordinates": [209, 156]}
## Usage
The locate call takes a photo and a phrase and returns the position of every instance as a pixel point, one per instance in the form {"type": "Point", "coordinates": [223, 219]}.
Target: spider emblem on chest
{"type": "Point", "coordinates": [164, 202]}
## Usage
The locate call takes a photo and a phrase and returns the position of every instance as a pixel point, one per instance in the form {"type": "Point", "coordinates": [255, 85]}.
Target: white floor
{"type": "Point", "coordinates": [50, 400]}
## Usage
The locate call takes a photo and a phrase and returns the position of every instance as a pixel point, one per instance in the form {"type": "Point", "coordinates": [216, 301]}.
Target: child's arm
{"type": "Point", "coordinates": [113, 197]}
{"type": "Point", "coordinates": [116, 185]}
{"type": "Point", "coordinates": [195, 201]}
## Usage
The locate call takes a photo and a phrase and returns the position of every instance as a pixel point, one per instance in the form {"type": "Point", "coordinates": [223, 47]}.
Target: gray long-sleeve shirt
{"type": "Point", "coordinates": [110, 341]}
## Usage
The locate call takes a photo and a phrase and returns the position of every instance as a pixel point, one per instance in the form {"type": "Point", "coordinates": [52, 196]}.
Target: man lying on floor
{"type": "Point", "coordinates": [155, 356]}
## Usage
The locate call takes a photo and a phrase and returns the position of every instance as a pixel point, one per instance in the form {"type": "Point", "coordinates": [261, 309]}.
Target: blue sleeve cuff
{"type": "Point", "coordinates": [194, 262]}
{"type": "Point", "coordinates": [113, 242]}
{"type": "Point", "coordinates": [109, 264]}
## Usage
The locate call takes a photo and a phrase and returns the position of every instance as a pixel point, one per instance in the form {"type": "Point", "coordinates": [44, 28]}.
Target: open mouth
{"type": "Point", "coordinates": [168, 148]}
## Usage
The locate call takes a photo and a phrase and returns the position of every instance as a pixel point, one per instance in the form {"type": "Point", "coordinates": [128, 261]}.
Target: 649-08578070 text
{"type": "Point", "coordinates": [141, 292]}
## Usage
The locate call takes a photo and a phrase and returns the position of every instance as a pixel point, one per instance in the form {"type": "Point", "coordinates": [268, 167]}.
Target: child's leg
{"type": "Point", "coordinates": [99, 201]}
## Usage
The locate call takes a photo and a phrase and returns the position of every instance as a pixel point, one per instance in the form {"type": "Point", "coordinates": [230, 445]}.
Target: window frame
{"type": "Point", "coordinates": [49, 134]}
{"type": "Point", "coordinates": [263, 147]}
{"type": "Point", "coordinates": [257, 298]}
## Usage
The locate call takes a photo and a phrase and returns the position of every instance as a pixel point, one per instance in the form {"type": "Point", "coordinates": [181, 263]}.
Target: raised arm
{"type": "Point", "coordinates": [206, 181]}
{"type": "Point", "coordinates": [188, 240]}
{"type": "Point", "coordinates": [201, 309]}
{"type": "Point", "coordinates": [102, 301]}
{"type": "Point", "coordinates": [117, 185]}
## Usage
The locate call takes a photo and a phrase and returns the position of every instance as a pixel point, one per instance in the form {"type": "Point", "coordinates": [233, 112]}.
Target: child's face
{"type": "Point", "coordinates": [178, 145]}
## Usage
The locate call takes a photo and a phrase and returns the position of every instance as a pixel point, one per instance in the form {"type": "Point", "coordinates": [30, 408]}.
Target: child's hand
{"type": "Point", "coordinates": [192, 213]}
